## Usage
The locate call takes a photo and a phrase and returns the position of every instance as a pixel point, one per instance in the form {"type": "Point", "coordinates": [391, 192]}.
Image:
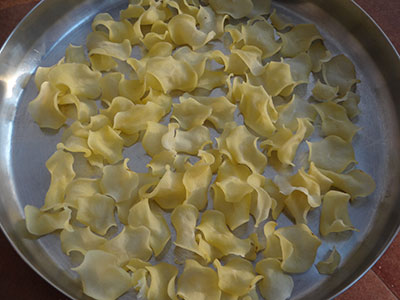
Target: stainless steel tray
{"type": "Point", "coordinates": [41, 39]}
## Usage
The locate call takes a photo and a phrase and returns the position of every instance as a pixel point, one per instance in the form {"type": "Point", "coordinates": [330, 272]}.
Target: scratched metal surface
{"type": "Point", "coordinates": [41, 41]}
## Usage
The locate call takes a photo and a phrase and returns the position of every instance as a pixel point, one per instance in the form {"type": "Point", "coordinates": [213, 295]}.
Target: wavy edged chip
{"type": "Point", "coordinates": [196, 180]}
{"type": "Point", "coordinates": [107, 143]}
{"type": "Point", "coordinates": [236, 213]}
{"type": "Point", "coordinates": [114, 282]}
{"type": "Point", "coordinates": [278, 22]}
{"type": "Point", "coordinates": [273, 246]}
{"type": "Point", "coordinates": [261, 202]}
{"type": "Point", "coordinates": [334, 213]}
{"type": "Point", "coordinates": [43, 222]}
{"type": "Point", "coordinates": [258, 109]}
{"type": "Point", "coordinates": [184, 218]}
{"type": "Point", "coordinates": [318, 54]}
{"type": "Point", "coordinates": [276, 284]}
{"type": "Point", "coordinates": [142, 214]}
{"type": "Point", "coordinates": [356, 183]}
{"type": "Point", "coordinates": [247, 58]}
{"type": "Point", "coordinates": [130, 243]}
{"type": "Point", "coordinates": [60, 167]}
{"type": "Point", "coordinates": [329, 265]}
{"type": "Point", "coordinates": [161, 160]}
{"type": "Point", "coordinates": [285, 143]}
{"type": "Point", "coordinates": [169, 191]}
{"type": "Point", "coordinates": [190, 113]}
{"type": "Point", "coordinates": [335, 121]}
{"type": "Point", "coordinates": [235, 8]}
{"type": "Point", "coordinates": [296, 108]}
{"type": "Point", "coordinates": [97, 212]}
{"type": "Point", "coordinates": [78, 79]}
{"type": "Point", "coordinates": [119, 182]}
{"type": "Point", "coordinates": [135, 119]}
{"type": "Point", "coordinates": [242, 148]}
{"type": "Point", "coordinates": [198, 282]}
{"type": "Point", "coordinates": [167, 73]}
{"type": "Point", "coordinates": [350, 102]}
{"type": "Point", "coordinates": [237, 276]}
{"type": "Point", "coordinates": [340, 71]}
{"type": "Point", "coordinates": [260, 33]}
{"type": "Point", "coordinates": [45, 110]}
{"type": "Point", "coordinates": [210, 21]}
{"type": "Point", "coordinates": [184, 32]}
{"type": "Point", "coordinates": [299, 248]}
{"type": "Point", "coordinates": [222, 110]}
{"type": "Point", "coordinates": [80, 239]}
{"type": "Point", "coordinates": [332, 153]}
{"type": "Point", "coordinates": [298, 39]}
{"type": "Point", "coordinates": [190, 141]}
{"type": "Point", "coordinates": [324, 92]}
{"type": "Point", "coordinates": [162, 285]}
{"type": "Point", "coordinates": [216, 233]}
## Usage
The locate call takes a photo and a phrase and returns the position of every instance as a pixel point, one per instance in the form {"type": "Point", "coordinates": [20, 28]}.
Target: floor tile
{"type": "Point", "coordinates": [370, 287]}
{"type": "Point", "coordinates": [388, 267]}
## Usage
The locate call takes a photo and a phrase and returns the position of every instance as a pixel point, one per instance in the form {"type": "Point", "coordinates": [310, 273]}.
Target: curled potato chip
{"type": "Point", "coordinates": [340, 71]}
{"type": "Point", "coordinates": [119, 182]}
{"type": "Point", "coordinates": [356, 183]}
{"type": "Point", "coordinates": [335, 121]}
{"type": "Point", "coordinates": [216, 233]}
{"type": "Point", "coordinates": [162, 283]}
{"type": "Point", "coordinates": [198, 282]}
{"type": "Point", "coordinates": [299, 248]}
{"type": "Point", "coordinates": [114, 282]}
{"type": "Point", "coordinates": [184, 218]}
{"type": "Point", "coordinates": [243, 147]}
{"type": "Point", "coordinates": [130, 243]}
{"type": "Point", "coordinates": [350, 102]}
{"type": "Point", "coordinates": [258, 109]}
{"type": "Point", "coordinates": [135, 119]}
{"type": "Point", "coordinates": [324, 92]}
{"type": "Point", "coordinates": [222, 110]}
{"type": "Point", "coordinates": [297, 205]}
{"type": "Point", "coordinates": [237, 276]}
{"type": "Point", "coordinates": [278, 22]}
{"type": "Point", "coordinates": [142, 214]}
{"type": "Point", "coordinates": [236, 213]}
{"type": "Point", "coordinates": [329, 265]}
{"type": "Point", "coordinates": [190, 113]}
{"type": "Point", "coordinates": [235, 8]}
{"type": "Point", "coordinates": [273, 247]}
{"type": "Point", "coordinates": [184, 32]}
{"type": "Point", "coordinates": [45, 110]}
{"type": "Point", "coordinates": [318, 54]}
{"type": "Point", "coordinates": [332, 153]}
{"type": "Point", "coordinates": [275, 283]}
{"type": "Point", "coordinates": [196, 180]}
{"type": "Point", "coordinates": [334, 213]}
{"type": "Point", "coordinates": [324, 181]}
{"type": "Point", "coordinates": [43, 222]}
{"type": "Point", "coordinates": [60, 166]}
{"type": "Point", "coordinates": [298, 39]}
{"type": "Point", "coordinates": [170, 190]}
{"type": "Point", "coordinates": [97, 212]}
{"type": "Point", "coordinates": [79, 79]}
{"type": "Point", "coordinates": [107, 143]}
{"type": "Point", "coordinates": [81, 240]}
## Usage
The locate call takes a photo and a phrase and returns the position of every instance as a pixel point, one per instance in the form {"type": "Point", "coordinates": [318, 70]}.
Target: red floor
{"type": "Point", "coordinates": [18, 281]}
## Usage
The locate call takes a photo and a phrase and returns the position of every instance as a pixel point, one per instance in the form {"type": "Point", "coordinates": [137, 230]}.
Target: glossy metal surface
{"type": "Point", "coordinates": [40, 40]}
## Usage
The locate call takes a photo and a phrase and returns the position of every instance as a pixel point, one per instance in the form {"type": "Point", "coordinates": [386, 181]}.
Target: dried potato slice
{"type": "Point", "coordinates": [142, 214]}
{"type": "Point", "coordinates": [298, 39]}
{"type": "Point", "coordinates": [190, 113]}
{"type": "Point", "coordinates": [216, 233]}
{"type": "Point", "coordinates": [97, 212]}
{"type": "Point", "coordinates": [334, 213]}
{"type": "Point", "coordinates": [299, 248]}
{"type": "Point", "coordinates": [45, 109]}
{"type": "Point", "coordinates": [81, 240]}
{"type": "Point", "coordinates": [273, 247]}
{"type": "Point", "coordinates": [237, 276]}
{"type": "Point", "coordinates": [43, 222]}
{"type": "Point", "coordinates": [275, 283]}
{"type": "Point", "coordinates": [332, 153]}
{"type": "Point", "coordinates": [329, 265]}
{"type": "Point", "coordinates": [162, 285]}
{"type": "Point", "coordinates": [114, 282]}
{"type": "Point", "coordinates": [198, 282]}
